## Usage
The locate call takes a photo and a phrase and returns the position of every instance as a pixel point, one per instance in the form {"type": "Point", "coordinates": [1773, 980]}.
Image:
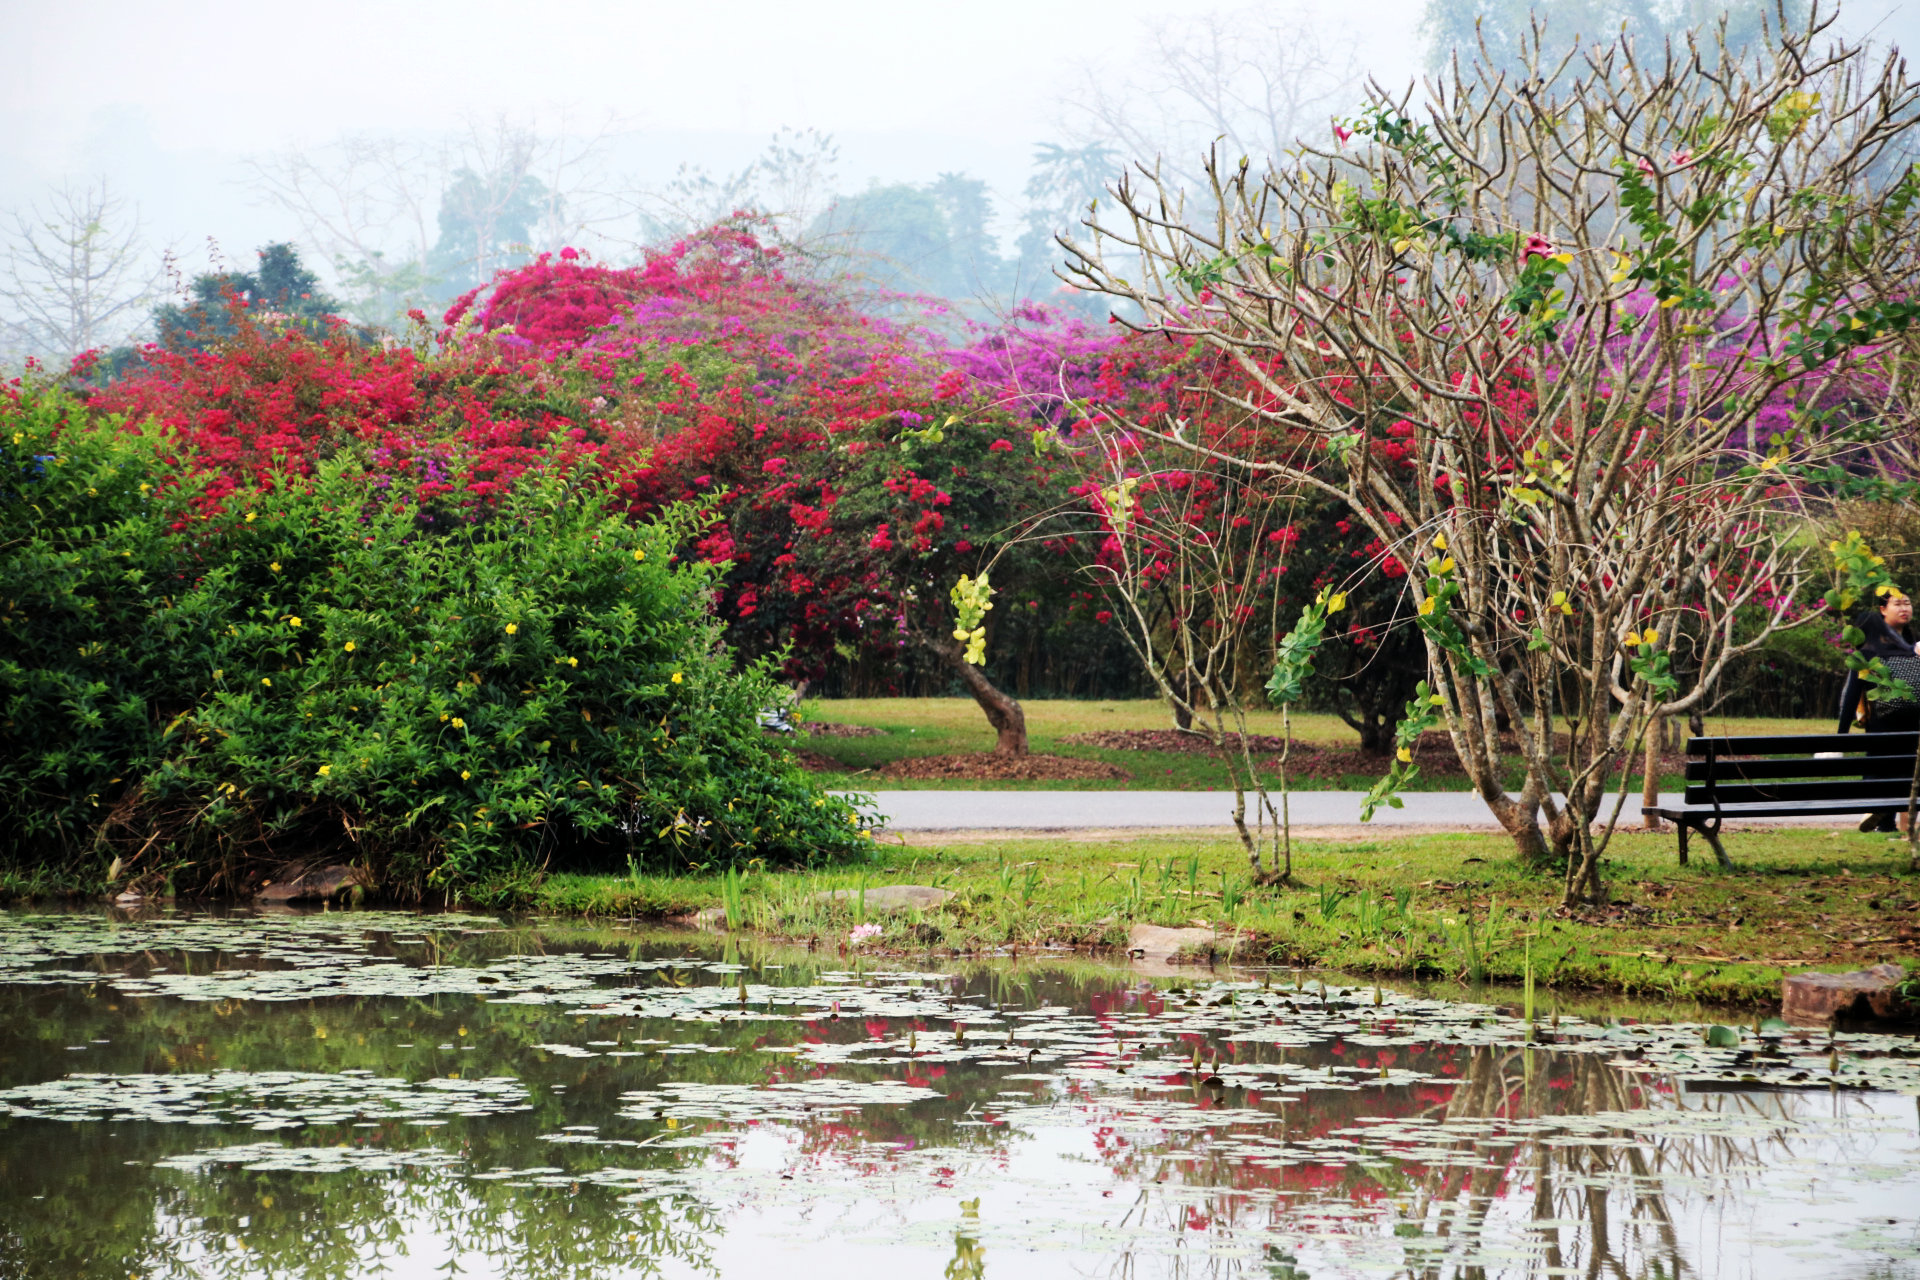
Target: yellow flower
{"type": "Point", "coordinates": [249, 517]}
{"type": "Point", "coordinates": [1440, 542]}
{"type": "Point", "coordinates": [349, 646]}
{"type": "Point", "coordinates": [465, 774]}
{"type": "Point", "coordinates": [1426, 606]}
{"type": "Point", "coordinates": [275, 566]}
{"type": "Point", "coordinates": [443, 715]}
{"type": "Point", "coordinates": [638, 555]}
{"type": "Point", "coordinates": [1405, 756]}
{"type": "Point", "coordinates": [676, 677]}
{"type": "Point", "coordinates": [512, 627]}
{"type": "Point", "coordinates": [573, 662]}
{"type": "Point", "coordinates": [219, 673]}
{"type": "Point", "coordinates": [1651, 635]}
{"type": "Point", "coordinates": [458, 723]}
{"type": "Point", "coordinates": [266, 682]}
{"type": "Point", "coordinates": [325, 769]}
{"type": "Point", "coordinates": [293, 622]}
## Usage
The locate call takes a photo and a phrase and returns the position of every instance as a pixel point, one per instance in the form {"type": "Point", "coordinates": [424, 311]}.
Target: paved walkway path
{"type": "Point", "coordinates": [1074, 810]}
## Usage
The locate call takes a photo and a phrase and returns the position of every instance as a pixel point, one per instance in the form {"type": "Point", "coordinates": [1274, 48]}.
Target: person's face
{"type": "Point", "coordinates": [1897, 610]}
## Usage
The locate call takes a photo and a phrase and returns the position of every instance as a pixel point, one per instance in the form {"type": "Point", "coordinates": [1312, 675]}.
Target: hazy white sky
{"type": "Point", "coordinates": [166, 97]}
{"type": "Point", "coordinates": [236, 75]}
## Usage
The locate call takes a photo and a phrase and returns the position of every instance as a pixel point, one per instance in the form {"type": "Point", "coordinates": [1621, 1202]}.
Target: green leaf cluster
{"type": "Point", "coordinates": [324, 669]}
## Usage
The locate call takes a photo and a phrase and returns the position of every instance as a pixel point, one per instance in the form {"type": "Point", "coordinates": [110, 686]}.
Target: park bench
{"type": "Point", "coordinates": [1801, 775]}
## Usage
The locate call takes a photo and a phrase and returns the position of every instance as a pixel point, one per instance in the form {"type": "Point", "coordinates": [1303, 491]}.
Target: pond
{"type": "Point", "coordinates": [371, 1094]}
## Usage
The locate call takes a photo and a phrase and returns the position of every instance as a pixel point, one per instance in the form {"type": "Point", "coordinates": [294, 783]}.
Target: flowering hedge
{"type": "Point", "coordinates": [327, 663]}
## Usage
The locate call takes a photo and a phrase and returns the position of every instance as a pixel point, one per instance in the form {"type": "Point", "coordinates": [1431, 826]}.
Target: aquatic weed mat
{"type": "Point", "coordinates": [1351, 1129]}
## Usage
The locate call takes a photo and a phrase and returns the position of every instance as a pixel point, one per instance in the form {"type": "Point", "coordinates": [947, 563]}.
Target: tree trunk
{"type": "Point", "coordinates": [1003, 713]}
{"type": "Point", "coordinates": [1650, 771]}
{"type": "Point", "coordinates": [1376, 733]}
{"type": "Point", "coordinates": [1182, 704]}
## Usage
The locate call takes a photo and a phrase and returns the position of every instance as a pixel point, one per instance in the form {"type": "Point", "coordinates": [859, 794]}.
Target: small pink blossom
{"type": "Point", "coordinates": [1341, 132]}
{"type": "Point", "coordinates": [1537, 246]}
{"type": "Point", "coordinates": [1644, 165]}
{"type": "Point", "coordinates": [863, 933]}
{"type": "Point", "coordinates": [1680, 159]}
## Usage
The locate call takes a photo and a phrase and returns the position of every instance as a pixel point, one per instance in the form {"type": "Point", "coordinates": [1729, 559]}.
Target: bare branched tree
{"type": "Point", "coordinates": [1256, 80]}
{"type": "Point", "coordinates": [1533, 332]}
{"type": "Point", "coordinates": [78, 274]}
{"type": "Point", "coordinates": [789, 184]}
{"type": "Point", "coordinates": [399, 221]}
{"type": "Point", "coordinates": [366, 207]}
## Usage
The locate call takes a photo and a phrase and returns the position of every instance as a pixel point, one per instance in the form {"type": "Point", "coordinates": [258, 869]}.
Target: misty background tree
{"type": "Point", "coordinates": [78, 274]}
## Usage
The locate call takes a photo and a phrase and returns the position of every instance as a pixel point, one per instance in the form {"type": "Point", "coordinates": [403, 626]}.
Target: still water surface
{"type": "Point", "coordinates": [367, 1094]}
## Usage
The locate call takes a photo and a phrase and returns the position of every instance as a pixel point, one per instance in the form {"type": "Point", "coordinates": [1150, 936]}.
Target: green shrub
{"type": "Point", "coordinates": [321, 670]}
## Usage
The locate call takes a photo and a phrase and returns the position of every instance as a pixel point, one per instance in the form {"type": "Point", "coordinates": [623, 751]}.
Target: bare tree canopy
{"type": "Point", "coordinates": [403, 222]}
{"type": "Point", "coordinates": [1254, 80]}
{"type": "Point", "coordinates": [1558, 337]}
{"type": "Point", "coordinates": [78, 273]}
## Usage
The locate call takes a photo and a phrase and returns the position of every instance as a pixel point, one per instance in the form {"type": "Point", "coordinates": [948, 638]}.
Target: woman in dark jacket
{"type": "Point", "coordinates": [1886, 637]}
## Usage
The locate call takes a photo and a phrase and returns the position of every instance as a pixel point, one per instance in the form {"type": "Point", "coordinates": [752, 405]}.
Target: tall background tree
{"type": "Point", "coordinates": [78, 275]}
{"type": "Point", "coordinates": [1498, 29]}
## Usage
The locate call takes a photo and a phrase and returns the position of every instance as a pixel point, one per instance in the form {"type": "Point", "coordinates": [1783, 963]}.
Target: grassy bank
{"type": "Point", "coordinates": [911, 727]}
{"type": "Point", "coordinates": [1448, 905]}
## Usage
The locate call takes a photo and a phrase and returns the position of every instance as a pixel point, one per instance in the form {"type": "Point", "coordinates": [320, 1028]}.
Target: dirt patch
{"type": "Point", "coordinates": [1306, 760]}
{"type": "Point", "coordinates": [828, 729]}
{"type": "Point", "coordinates": [1434, 755]}
{"type": "Point", "coordinates": [1162, 740]}
{"type": "Point", "coordinates": [814, 762]}
{"type": "Point", "coordinates": [1036, 768]}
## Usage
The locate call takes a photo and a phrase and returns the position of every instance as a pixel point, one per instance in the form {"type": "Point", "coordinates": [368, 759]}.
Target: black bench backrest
{"type": "Point", "coordinates": [1874, 765]}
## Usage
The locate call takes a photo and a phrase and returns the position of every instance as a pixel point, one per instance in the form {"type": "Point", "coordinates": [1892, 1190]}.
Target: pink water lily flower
{"type": "Point", "coordinates": [863, 932]}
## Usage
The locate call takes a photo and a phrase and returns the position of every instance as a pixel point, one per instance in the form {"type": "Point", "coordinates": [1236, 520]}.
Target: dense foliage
{"type": "Point", "coordinates": [456, 690]}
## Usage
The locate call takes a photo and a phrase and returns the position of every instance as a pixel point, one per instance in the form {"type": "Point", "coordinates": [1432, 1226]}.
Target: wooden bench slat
{"type": "Point", "coordinates": [1774, 792]}
{"type": "Point", "coordinates": [1755, 770]}
{"type": "Point", "coordinates": [1805, 744]}
{"type": "Point", "coordinates": [1783, 809]}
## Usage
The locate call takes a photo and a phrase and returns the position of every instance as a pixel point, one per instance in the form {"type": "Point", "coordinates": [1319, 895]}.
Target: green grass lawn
{"type": "Point", "coordinates": [1442, 906]}
{"type": "Point", "coordinates": [944, 726]}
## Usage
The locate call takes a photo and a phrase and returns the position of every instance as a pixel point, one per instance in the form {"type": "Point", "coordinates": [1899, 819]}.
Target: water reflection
{"type": "Point", "coordinates": [737, 1112]}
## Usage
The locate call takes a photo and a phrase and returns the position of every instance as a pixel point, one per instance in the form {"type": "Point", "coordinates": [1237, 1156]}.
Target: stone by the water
{"type": "Point", "coordinates": [892, 897]}
{"type": "Point", "coordinates": [1820, 998]}
{"type": "Point", "coordinates": [323, 884]}
{"type": "Point", "coordinates": [1157, 945]}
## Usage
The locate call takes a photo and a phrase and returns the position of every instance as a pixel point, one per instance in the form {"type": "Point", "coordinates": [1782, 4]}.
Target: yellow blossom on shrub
{"type": "Point", "coordinates": [325, 769]}
{"type": "Point", "coordinates": [512, 628]}
{"type": "Point", "coordinates": [458, 723]}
